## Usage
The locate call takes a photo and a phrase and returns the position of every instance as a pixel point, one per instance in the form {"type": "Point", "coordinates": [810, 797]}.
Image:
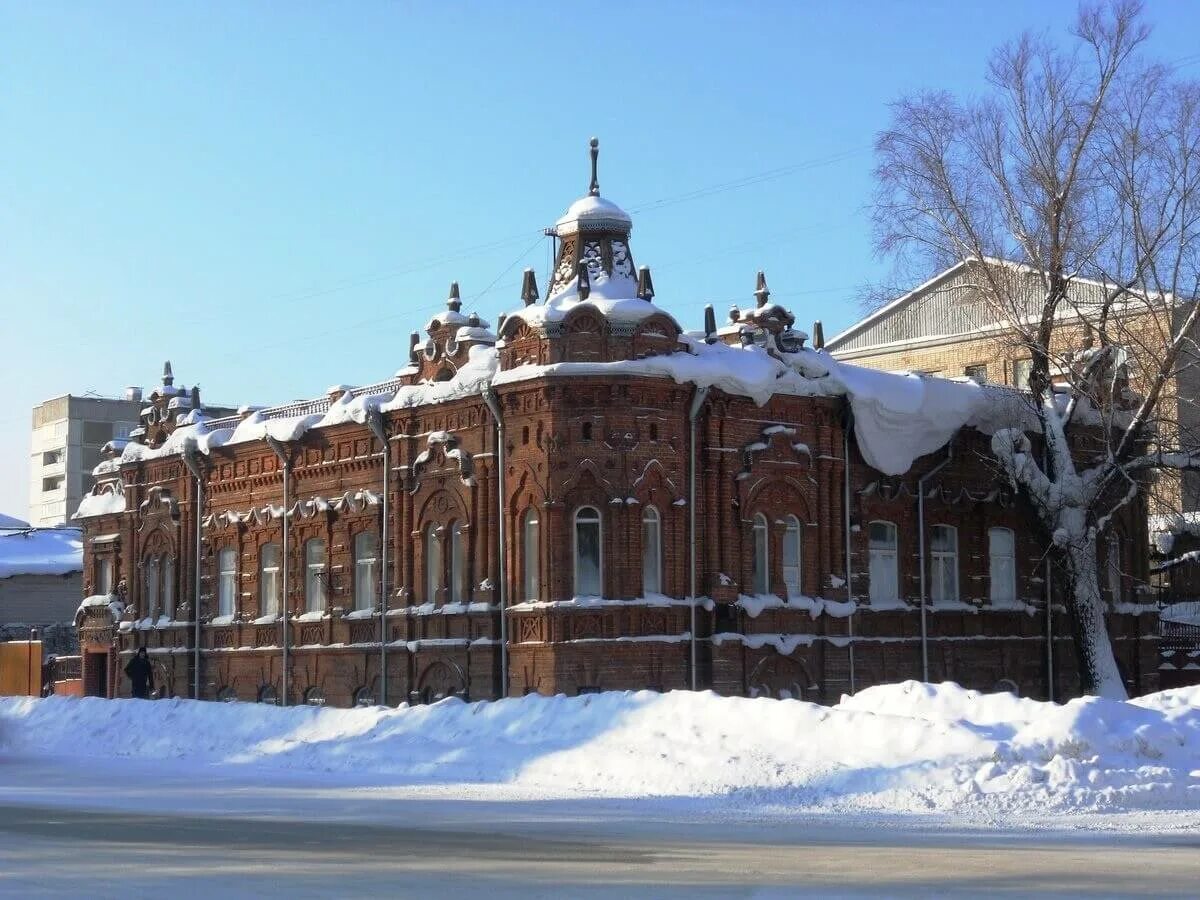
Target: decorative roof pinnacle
{"type": "Point", "coordinates": [761, 293]}
{"type": "Point", "coordinates": [454, 301]}
{"type": "Point", "coordinates": [594, 187]}
{"type": "Point", "coordinates": [529, 288]}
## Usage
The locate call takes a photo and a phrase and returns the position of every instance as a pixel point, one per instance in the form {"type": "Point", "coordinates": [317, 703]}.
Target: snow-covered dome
{"type": "Point", "coordinates": [593, 213]}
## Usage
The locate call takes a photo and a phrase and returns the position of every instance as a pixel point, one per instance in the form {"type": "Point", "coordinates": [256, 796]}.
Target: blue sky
{"type": "Point", "coordinates": [275, 195]}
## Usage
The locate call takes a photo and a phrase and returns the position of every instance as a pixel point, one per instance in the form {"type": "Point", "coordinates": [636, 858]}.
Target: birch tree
{"type": "Point", "coordinates": [1070, 187]}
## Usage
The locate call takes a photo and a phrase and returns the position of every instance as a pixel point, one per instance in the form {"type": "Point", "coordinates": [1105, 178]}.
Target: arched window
{"type": "Point", "coordinates": [226, 581]}
{"type": "Point", "coordinates": [167, 598]}
{"type": "Point", "coordinates": [1002, 567]}
{"type": "Point", "coordinates": [150, 584]}
{"type": "Point", "coordinates": [268, 695]}
{"type": "Point", "coordinates": [314, 696]}
{"type": "Point", "coordinates": [792, 539]}
{"type": "Point", "coordinates": [1116, 590]}
{"type": "Point", "coordinates": [364, 696]}
{"type": "Point", "coordinates": [458, 564]}
{"type": "Point", "coordinates": [651, 551]}
{"type": "Point", "coordinates": [314, 575]}
{"type": "Point", "coordinates": [366, 570]}
{"type": "Point", "coordinates": [884, 587]}
{"type": "Point", "coordinates": [587, 553]}
{"type": "Point", "coordinates": [529, 542]}
{"type": "Point", "coordinates": [762, 562]}
{"type": "Point", "coordinates": [268, 580]}
{"type": "Point", "coordinates": [433, 565]}
{"type": "Point", "coordinates": [943, 554]}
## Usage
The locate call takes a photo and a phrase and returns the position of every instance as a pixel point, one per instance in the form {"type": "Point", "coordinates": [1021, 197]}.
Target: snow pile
{"type": "Point", "coordinates": [904, 748]}
{"type": "Point", "coordinates": [40, 551]}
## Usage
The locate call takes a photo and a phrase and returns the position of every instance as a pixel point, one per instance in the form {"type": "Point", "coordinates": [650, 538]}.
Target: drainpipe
{"type": "Point", "coordinates": [281, 451]}
{"type": "Point", "coordinates": [693, 413]}
{"type": "Point", "coordinates": [375, 423]}
{"type": "Point", "coordinates": [1049, 609]}
{"type": "Point", "coordinates": [489, 397]}
{"type": "Point", "coordinates": [192, 461]}
{"type": "Point", "coordinates": [846, 517]}
{"type": "Point", "coordinates": [921, 553]}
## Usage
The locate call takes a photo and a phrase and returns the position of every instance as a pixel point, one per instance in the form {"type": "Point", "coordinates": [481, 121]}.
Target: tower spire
{"type": "Point", "coordinates": [594, 187]}
{"type": "Point", "coordinates": [168, 378]}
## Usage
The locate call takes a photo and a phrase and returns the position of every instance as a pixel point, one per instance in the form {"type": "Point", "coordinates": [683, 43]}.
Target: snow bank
{"type": "Point", "coordinates": [905, 748]}
{"type": "Point", "coordinates": [41, 551]}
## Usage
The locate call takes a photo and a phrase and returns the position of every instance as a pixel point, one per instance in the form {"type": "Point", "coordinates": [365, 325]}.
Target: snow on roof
{"type": "Point", "coordinates": [40, 551]}
{"type": "Point", "coordinates": [7, 522]}
{"type": "Point", "coordinates": [101, 505]}
{"type": "Point", "coordinates": [593, 213]}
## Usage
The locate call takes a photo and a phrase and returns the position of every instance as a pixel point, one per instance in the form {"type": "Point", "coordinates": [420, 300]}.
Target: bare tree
{"type": "Point", "coordinates": [1071, 189]}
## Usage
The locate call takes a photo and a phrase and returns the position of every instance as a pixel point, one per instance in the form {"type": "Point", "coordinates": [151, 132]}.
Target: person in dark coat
{"type": "Point", "coordinates": [141, 675]}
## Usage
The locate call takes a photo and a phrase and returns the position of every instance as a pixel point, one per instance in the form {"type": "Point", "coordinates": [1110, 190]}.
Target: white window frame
{"type": "Point", "coordinates": [104, 575]}
{"type": "Point", "coordinates": [167, 592]}
{"type": "Point", "coordinates": [434, 570]}
{"type": "Point", "coordinates": [268, 579]}
{"type": "Point", "coordinates": [151, 585]}
{"type": "Point", "coordinates": [226, 581]}
{"type": "Point", "coordinates": [943, 566]}
{"type": "Point", "coordinates": [793, 572]}
{"type": "Point", "coordinates": [652, 574]}
{"type": "Point", "coordinates": [762, 555]}
{"type": "Point", "coordinates": [530, 532]}
{"type": "Point", "coordinates": [315, 597]}
{"type": "Point", "coordinates": [883, 569]}
{"type": "Point", "coordinates": [588, 516]}
{"type": "Point", "coordinates": [457, 559]}
{"type": "Point", "coordinates": [1002, 567]}
{"type": "Point", "coordinates": [366, 570]}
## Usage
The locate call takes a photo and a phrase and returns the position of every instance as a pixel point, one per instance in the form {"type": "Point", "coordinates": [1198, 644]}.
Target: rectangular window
{"type": "Point", "coordinates": [53, 457]}
{"type": "Point", "coordinates": [314, 576]}
{"type": "Point", "coordinates": [121, 430]}
{"type": "Point", "coordinates": [366, 570]}
{"type": "Point", "coordinates": [884, 585]}
{"type": "Point", "coordinates": [53, 483]}
{"type": "Point", "coordinates": [150, 571]}
{"type": "Point", "coordinates": [60, 428]}
{"type": "Point", "coordinates": [943, 552]}
{"type": "Point", "coordinates": [97, 433]}
{"type": "Point", "coordinates": [268, 580]}
{"type": "Point", "coordinates": [1002, 566]}
{"type": "Point", "coordinates": [168, 587]}
{"type": "Point", "coordinates": [587, 553]}
{"type": "Point", "coordinates": [226, 581]}
{"type": "Point", "coordinates": [977, 373]}
{"type": "Point", "coordinates": [1021, 368]}
{"type": "Point", "coordinates": [104, 575]}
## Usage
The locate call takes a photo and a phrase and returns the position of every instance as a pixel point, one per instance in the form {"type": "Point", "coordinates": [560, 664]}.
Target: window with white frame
{"type": "Point", "coordinates": [883, 569]}
{"type": "Point", "coordinates": [651, 551]}
{"type": "Point", "coordinates": [943, 556]}
{"type": "Point", "coordinates": [433, 564]}
{"type": "Point", "coordinates": [762, 562]}
{"type": "Point", "coordinates": [226, 581]}
{"type": "Point", "coordinates": [792, 546]}
{"type": "Point", "coordinates": [587, 553]}
{"type": "Point", "coordinates": [1021, 370]}
{"type": "Point", "coordinates": [167, 598]}
{"type": "Point", "coordinates": [314, 575]}
{"type": "Point", "coordinates": [104, 575]}
{"type": "Point", "coordinates": [366, 570]}
{"type": "Point", "coordinates": [529, 529]}
{"type": "Point", "coordinates": [268, 580]}
{"type": "Point", "coordinates": [1002, 567]}
{"type": "Point", "coordinates": [150, 586]}
{"type": "Point", "coordinates": [458, 564]}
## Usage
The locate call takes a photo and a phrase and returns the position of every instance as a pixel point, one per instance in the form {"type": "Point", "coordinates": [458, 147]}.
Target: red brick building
{"type": "Point", "coordinates": [533, 508]}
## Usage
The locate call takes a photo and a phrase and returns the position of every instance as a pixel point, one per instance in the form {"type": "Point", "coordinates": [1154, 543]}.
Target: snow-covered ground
{"type": "Point", "coordinates": [909, 749]}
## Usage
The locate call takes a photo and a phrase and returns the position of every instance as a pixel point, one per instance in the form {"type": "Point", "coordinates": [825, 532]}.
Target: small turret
{"type": "Point", "coordinates": [454, 301]}
{"type": "Point", "coordinates": [645, 284]}
{"type": "Point", "coordinates": [414, 341]}
{"type": "Point", "coordinates": [529, 288]}
{"type": "Point", "coordinates": [168, 377]}
{"type": "Point", "coordinates": [818, 335]}
{"type": "Point", "coordinates": [195, 396]}
{"type": "Point", "coordinates": [734, 313]}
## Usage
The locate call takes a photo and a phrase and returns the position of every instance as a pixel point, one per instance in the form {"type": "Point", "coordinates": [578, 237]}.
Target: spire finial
{"type": "Point", "coordinates": [645, 285]}
{"type": "Point", "coordinates": [529, 288]}
{"type": "Point", "coordinates": [594, 187]}
{"type": "Point", "coordinates": [761, 293]}
{"type": "Point", "coordinates": [585, 281]}
{"type": "Point", "coordinates": [168, 376]}
{"type": "Point", "coordinates": [454, 301]}
{"type": "Point", "coordinates": [818, 337]}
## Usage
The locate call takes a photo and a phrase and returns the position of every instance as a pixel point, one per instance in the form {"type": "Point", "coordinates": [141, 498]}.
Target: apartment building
{"type": "Point", "coordinates": [69, 433]}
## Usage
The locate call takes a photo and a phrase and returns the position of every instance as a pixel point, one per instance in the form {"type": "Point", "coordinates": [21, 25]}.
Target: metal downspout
{"type": "Point", "coordinates": [1049, 609]}
{"type": "Point", "coordinates": [193, 464]}
{"type": "Point", "coordinates": [285, 601]}
{"type": "Point", "coordinates": [846, 517]}
{"type": "Point", "coordinates": [489, 397]}
{"type": "Point", "coordinates": [375, 423]}
{"type": "Point", "coordinates": [921, 554]}
{"type": "Point", "coordinates": [693, 413]}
